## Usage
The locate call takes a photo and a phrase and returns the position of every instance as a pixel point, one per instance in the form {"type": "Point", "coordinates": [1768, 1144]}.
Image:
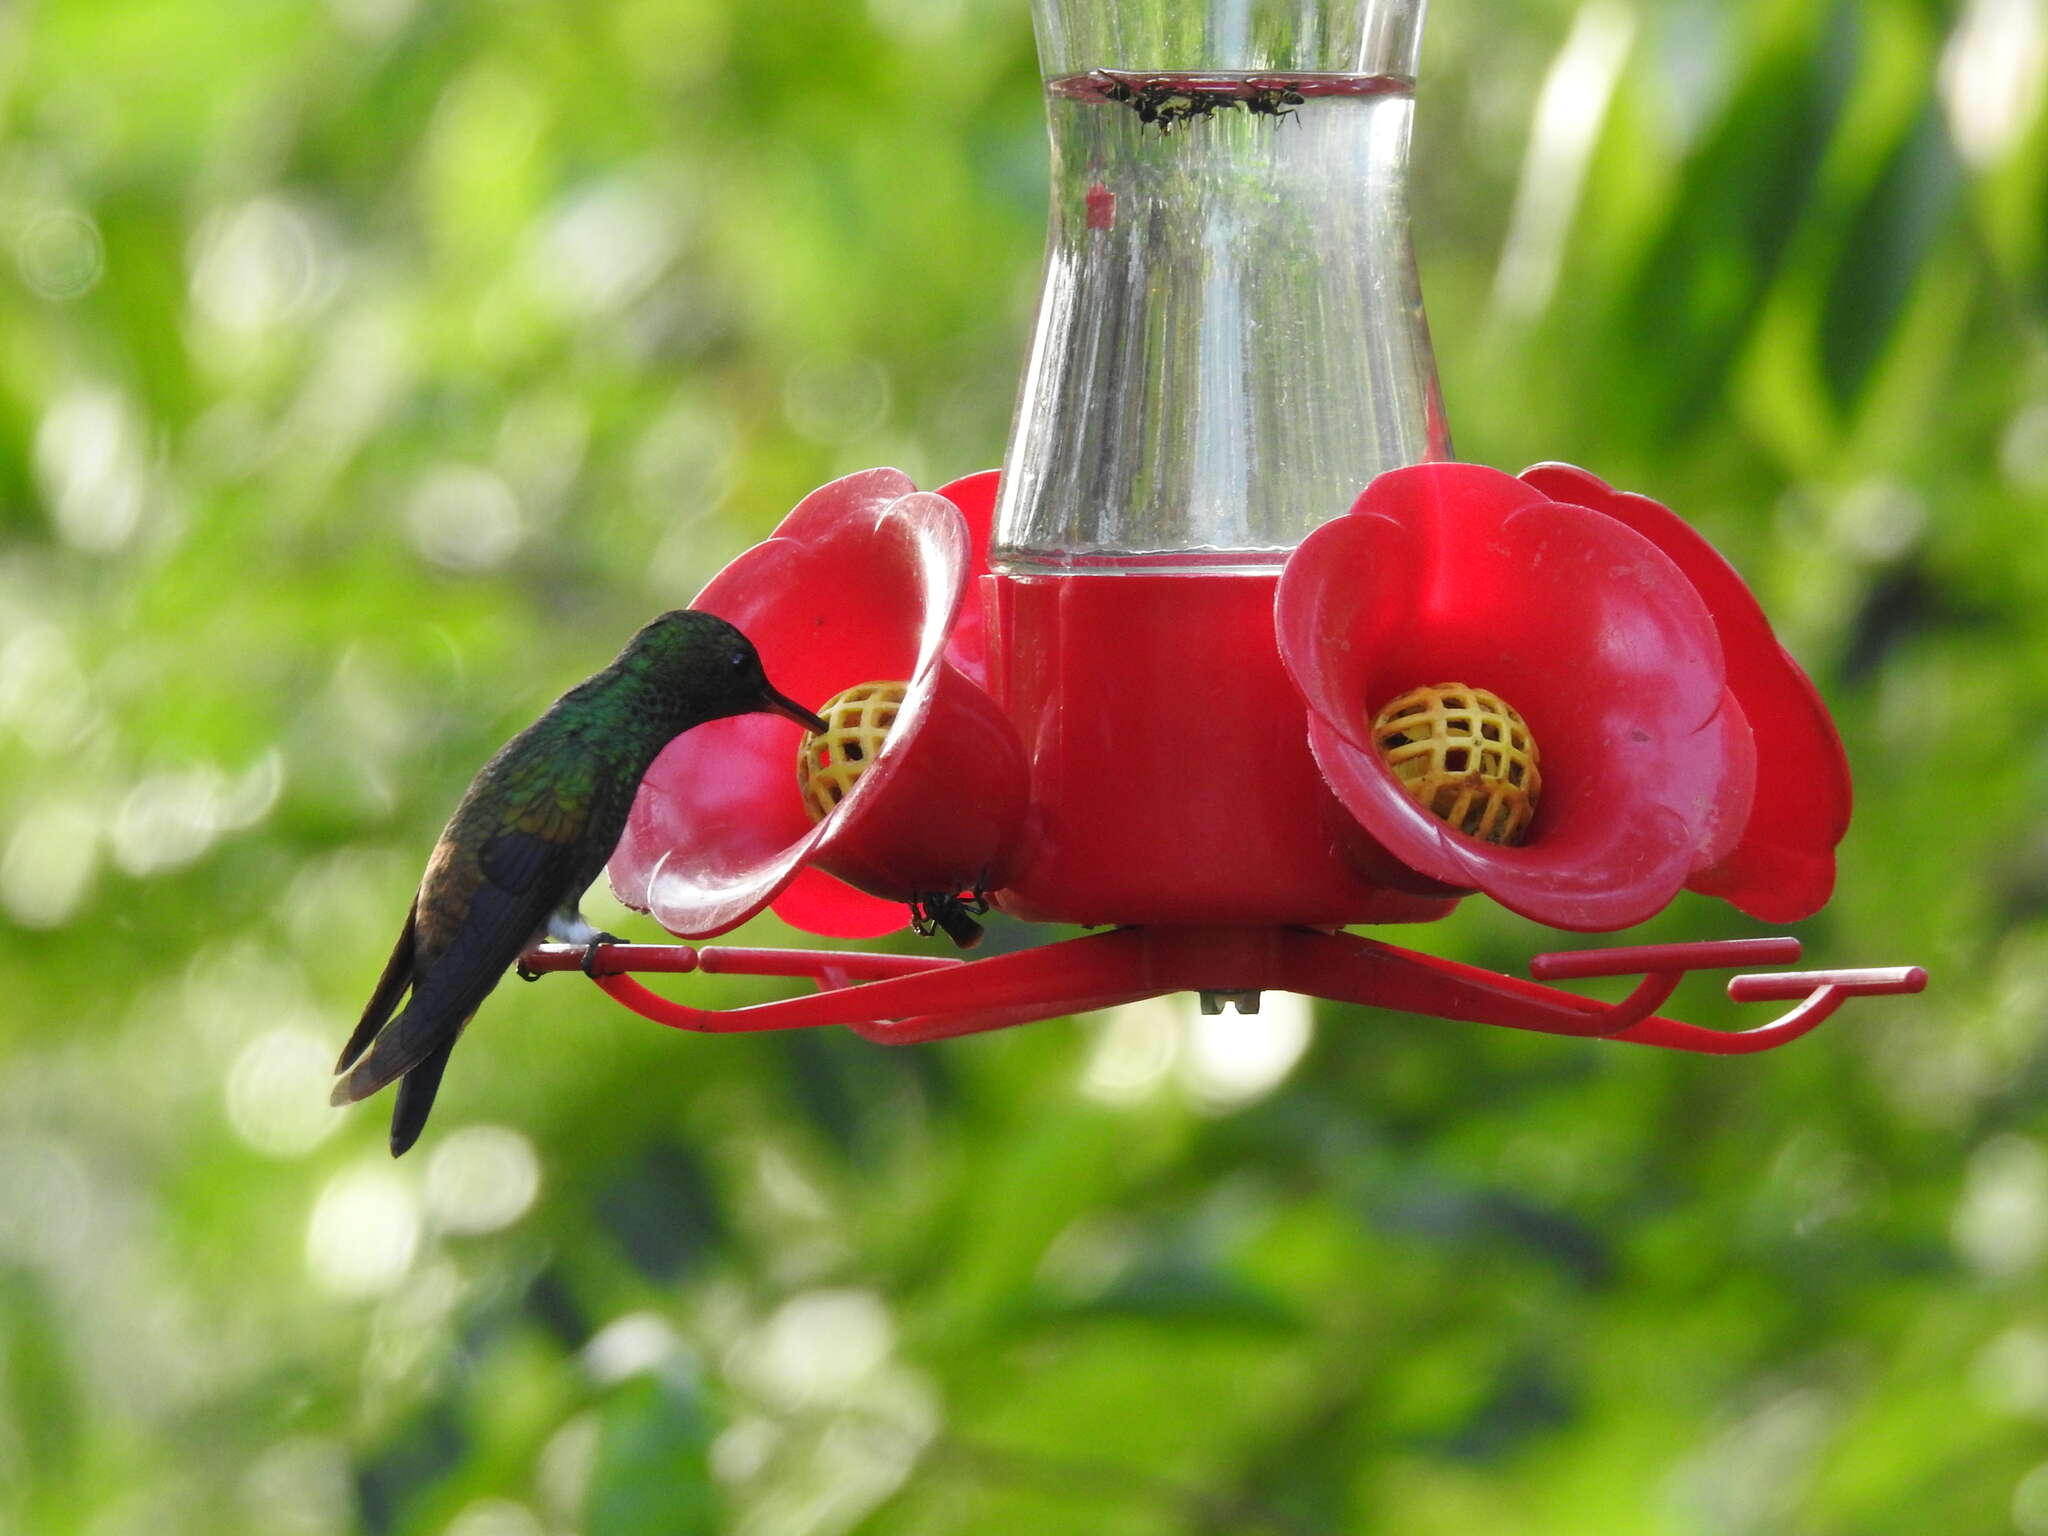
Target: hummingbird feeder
{"type": "Point", "coordinates": [1232, 656]}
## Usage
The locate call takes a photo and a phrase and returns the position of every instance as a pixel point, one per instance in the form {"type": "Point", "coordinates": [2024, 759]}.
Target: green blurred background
{"type": "Point", "coordinates": [370, 368]}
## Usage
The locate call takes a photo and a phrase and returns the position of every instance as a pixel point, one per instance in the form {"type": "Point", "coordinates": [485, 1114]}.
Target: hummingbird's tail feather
{"type": "Point", "coordinates": [447, 989]}
{"type": "Point", "coordinates": [463, 942]}
{"type": "Point", "coordinates": [415, 1102]}
{"type": "Point", "coordinates": [398, 971]}
{"type": "Point", "coordinates": [429, 1025]}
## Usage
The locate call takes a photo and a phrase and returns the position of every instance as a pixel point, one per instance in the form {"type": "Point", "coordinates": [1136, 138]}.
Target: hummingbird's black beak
{"type": "Point", "coordinates": [775, 703]}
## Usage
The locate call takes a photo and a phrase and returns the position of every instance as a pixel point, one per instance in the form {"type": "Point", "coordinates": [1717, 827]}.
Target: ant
{"type": "Point", "coordinates": [1273, 101]}
{"type": "Point", "coordinates": [955, 912]}
{"type": "Point", "coordinates": [1166, 106]}
{"type": "Point", "coordinates": [1169, 105]}
{"type": "Point", "coordinates": [1155, 102]}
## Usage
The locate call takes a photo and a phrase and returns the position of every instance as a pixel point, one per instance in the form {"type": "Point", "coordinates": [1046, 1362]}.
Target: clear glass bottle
{"type": "Point", "coordinates": [1230, 346]}
{"type": "Point", "coordinates": [1230, 340]}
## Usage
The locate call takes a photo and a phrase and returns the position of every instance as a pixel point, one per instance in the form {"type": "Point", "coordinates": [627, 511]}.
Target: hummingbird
{"type": "Point", "coordinates": [530, 834]}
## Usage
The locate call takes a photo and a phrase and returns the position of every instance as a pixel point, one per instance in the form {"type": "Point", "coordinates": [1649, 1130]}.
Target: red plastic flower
{"type": "Point", "coordinates": [1656, 694]}
{"type": "Point", "coordinates": [863, 582]}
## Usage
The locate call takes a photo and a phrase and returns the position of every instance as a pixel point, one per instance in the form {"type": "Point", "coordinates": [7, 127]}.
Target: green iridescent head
{"type": "Point", "coordinates": [708, 667]}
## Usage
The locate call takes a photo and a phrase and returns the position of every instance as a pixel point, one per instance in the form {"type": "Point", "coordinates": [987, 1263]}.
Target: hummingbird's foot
{"type": "Point", "coordinates": [524, 974]}
{"type": "Point", "coordinates": [597, 942]}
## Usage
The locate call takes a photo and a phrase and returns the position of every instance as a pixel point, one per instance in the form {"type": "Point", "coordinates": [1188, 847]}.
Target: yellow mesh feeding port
{"type": "Point", "coordinates": [859, 720]}
{"type": "Point", "coordinates": [1466, 755]}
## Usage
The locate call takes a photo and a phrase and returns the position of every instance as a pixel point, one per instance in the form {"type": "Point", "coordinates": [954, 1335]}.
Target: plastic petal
{"type": "Point", "coordinates": [1781, 867]}
{"type": "Point", "coordinates": [975, 496]}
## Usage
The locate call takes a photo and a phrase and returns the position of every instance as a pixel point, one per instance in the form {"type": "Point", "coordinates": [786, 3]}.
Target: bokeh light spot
{"type": "Point", "coordinates": [481, 1178]}
{"type": "Point", "coordinates": [48, 867]}
{"type": "Point", "coordinates": [630, 1345]}
{"type": "Point", "coordinates": [2010, 1374]}
{"type": "Point", "coordinates": [817, 1347]}
{"type": "Point", "coordinates": [1135, 1049]}
{"type": "Point", "coordinates": [464, 519]}
{"type": "Point", "coordinates": [541, 446]}
{"type": "Point", "coordinates": [372, 19]}
{"type": "Point", "coordinates": [276, 1092]}
{"type": "Point", "coordinates": [496, 1517]}
{"type": "Point", "coordinates": [567, 1464]}
{"type": "Point", "coordinates": [301, 1487]}
{"type": "Point", "coordinates": [89, 463]}
{"type": "Point", "coordinates": [1233, 1059]}
{"type": "Point", "coordinates": [44, 694]}
{"type": "Point", "coordinates": [45, 1200]}
{"type": "Point", "coordinates": [60, 255]}
{"type": "Point", "coordinates": [1992, 76]}
{"type": "Point", "coordinates": [918, 21]}
{"type": "Point", "coordinates": [744, 1448]}
{"type": "Point", "coordinates": [2023, 449]}
{"type": "Point", "coordinates": [606, 245]}
{"type": "Point", "coordinates": [168, 820]}
{"type": "Point", "coordinates": [257, 266]}
{"type": "Point", "coordinates": [364, 1233]}
{"type": "Point", "coordinates": [2001, 1223]}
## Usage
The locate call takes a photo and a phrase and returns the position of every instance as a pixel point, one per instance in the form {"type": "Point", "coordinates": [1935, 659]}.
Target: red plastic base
{"type": "Point", "coordinates": [908, 998]}
{"type": "Point", "coordinates": [1171, 779]}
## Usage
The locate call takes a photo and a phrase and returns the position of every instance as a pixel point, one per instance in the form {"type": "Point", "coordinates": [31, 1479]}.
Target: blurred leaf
{"type": "Point", "coordinates": [1190, 1292]}
{"type": "Point", "coordinates": [41, 1401]}
{"type": "Point", "coordinates": [653, 1474]}
{"type": "Point", "coordinates": [1888, 242]}
{"type": "Point", "coordinates": [396, 1482]}
{"type": "Point", "coordinates": [664, 1212]}
{"type": "Point", "coordinates": [1700, 282]}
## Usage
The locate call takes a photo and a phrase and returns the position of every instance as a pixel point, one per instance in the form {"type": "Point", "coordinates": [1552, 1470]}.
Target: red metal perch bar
{"type": "Point", "coordinates": [902, 999]}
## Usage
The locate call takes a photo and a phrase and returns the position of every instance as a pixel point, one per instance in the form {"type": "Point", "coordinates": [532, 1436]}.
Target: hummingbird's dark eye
{"type": "Point", "coordinates": [739, 660]}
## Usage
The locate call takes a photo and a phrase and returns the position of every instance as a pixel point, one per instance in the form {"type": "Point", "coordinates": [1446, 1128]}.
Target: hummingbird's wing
{"type": "Point", "coordinates": [390, 987]}
{"type": "Point", "coordinates": [474, 915]}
